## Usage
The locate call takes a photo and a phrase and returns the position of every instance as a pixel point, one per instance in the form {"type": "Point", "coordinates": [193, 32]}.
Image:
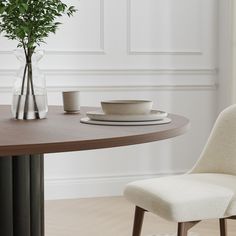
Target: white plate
{"type": "Point", "coordinates": [152, 116]}
{"type": "Point", "coordinates": [87, 120]}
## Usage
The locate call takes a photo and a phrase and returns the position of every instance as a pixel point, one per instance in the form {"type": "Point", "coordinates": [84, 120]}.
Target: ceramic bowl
{"type": "Point", "coordinates": [127, 107]}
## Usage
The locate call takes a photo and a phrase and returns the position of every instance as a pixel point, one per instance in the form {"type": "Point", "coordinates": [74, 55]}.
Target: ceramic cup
{"type": "Point", "coordinates": [71, 101]}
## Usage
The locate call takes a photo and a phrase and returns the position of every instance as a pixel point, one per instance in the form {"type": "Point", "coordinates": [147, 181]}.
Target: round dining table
{"type": "Point", "coordinates": [24, 143]}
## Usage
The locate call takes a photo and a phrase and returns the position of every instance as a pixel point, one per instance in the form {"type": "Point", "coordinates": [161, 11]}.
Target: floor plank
{"type": "Point", "coordinates": [112, 217]}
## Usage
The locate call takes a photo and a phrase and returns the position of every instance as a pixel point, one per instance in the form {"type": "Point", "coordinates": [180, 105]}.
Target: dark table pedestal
{"type": "Point", "coordinates": [22, 195]}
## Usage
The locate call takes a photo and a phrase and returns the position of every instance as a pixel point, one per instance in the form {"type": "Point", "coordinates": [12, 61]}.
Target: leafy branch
{"type": "Point", "coordinates": [30, 22]}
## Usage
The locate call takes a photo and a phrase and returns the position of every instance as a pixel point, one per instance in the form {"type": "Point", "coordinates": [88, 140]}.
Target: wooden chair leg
{"type": "Point", "coordinates": [138, 221]}
{"type": "Point", "coordinates": [183, 227]}
{"type": "Point", "coordinates": [223, 227]}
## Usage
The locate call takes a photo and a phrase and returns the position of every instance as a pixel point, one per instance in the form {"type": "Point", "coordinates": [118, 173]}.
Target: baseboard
{"type": "Point", "coordinates": [95, 186]}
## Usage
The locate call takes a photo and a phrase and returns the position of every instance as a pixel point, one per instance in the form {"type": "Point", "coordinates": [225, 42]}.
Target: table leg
{"type": "Point", "coordinates": [22, 195]}
{"type": "Point", "coordinates": [6, 200]}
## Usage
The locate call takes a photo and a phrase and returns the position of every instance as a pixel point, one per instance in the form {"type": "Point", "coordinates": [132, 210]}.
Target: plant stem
{"type": "Point", "coordinates": [26, 107]}
{"type": "Point", "coordinates": [21, 93]}
{"type": "Point", "coordinates": [33, 94]}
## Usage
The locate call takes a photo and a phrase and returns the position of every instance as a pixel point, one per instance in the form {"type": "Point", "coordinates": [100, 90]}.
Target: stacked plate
{"type": "Point", "coordinates": [126, 113]}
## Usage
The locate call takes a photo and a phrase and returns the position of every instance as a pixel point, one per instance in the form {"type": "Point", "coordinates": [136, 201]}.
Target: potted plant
{"type": "Point", "coordinates": [30, 22]}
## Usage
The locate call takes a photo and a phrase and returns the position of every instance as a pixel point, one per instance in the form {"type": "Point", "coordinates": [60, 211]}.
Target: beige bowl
{"type": "Point", "coordinates": [127, 107]}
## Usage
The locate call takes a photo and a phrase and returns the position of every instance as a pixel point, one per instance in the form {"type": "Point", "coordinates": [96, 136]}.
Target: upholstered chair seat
{"type": "Point", "coordinates": [208, 191]}
{"type": "Point", "coordinates": [184, 198]}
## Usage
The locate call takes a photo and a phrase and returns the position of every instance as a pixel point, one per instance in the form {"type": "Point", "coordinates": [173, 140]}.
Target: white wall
{"type": "Point", "coordinates": [163, 50]}
{"type": "Point", "coordinates": [225, 92]}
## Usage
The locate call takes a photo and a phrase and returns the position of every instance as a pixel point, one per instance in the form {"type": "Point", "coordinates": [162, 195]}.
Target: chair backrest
{"type": "Point", "coordinates": [219, 154]}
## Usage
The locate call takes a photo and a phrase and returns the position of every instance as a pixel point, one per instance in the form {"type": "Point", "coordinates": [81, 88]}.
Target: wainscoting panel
{"type": "Point", "coordinates": [165, 24]}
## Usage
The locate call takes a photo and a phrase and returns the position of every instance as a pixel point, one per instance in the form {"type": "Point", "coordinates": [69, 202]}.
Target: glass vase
{"type": "Point", "coordinates": [29, 91]}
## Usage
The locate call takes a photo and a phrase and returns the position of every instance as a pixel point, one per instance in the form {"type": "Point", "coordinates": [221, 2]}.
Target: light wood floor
{"type": "Point", "coordinates": [111, 217]}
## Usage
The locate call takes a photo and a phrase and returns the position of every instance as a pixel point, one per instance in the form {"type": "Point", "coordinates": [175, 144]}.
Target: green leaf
{"type": "Point", "coordinates": [26, 7]}
{"type": "Point", "coordinates": [25, 29]}
{"type": "Point", "coordinates": [2, 9]}
{"type": "Point", "coordinates": [22, 9]}
{"type": "Point", "coordinates": [60, 8]}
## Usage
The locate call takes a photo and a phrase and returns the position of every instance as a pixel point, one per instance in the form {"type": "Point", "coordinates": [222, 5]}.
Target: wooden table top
{"type": "Point", "coordinates": [63, 132]}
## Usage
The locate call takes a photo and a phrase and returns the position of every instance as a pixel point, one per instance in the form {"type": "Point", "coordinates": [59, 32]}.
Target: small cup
{"type": "Point", "coordinates": [71, 101]}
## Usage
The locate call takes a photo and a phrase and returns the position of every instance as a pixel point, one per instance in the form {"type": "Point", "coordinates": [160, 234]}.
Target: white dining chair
{"type": "Point", "coordinates": [208, 191]}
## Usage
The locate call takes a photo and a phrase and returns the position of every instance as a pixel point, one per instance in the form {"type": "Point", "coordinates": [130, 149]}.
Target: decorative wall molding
{"type": "Point", "coordinates": [92, 51]}
{"type": "Point", "coordinates": [131, 51]}
{"type": "Point", "coordinates": [120, 71]}
{"type": "Point", "coordinates": [8, 89]}
{"type": "Point", "coordinates": [95, 186]}
{"type": "Point", "coordinates": [147, 80]}
{"type": "Point", "coordinates": [133, 72]}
